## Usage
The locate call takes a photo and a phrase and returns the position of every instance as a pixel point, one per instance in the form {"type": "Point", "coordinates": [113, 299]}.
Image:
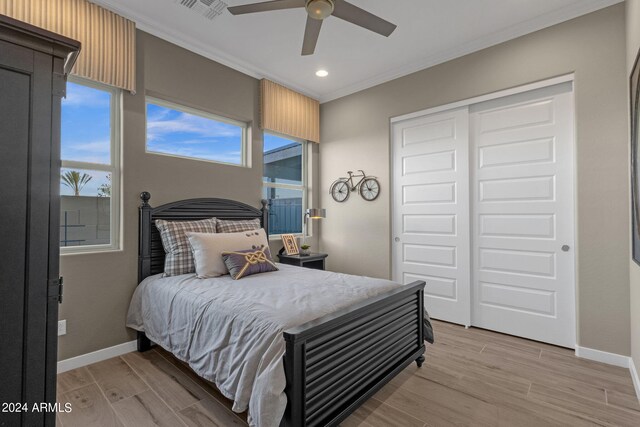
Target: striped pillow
{"type": "Point", "coordinates": [237, 226]}
{"type": "Point", "coordinates": [179, 258]}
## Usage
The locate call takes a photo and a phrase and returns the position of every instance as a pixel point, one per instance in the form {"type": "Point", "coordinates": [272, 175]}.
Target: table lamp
{"type": "Point", "coordinates": [311, 213]}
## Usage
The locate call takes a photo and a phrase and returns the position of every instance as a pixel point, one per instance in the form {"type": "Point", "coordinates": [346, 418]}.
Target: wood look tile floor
{"type": "Point", "coordinates": [470, 377]}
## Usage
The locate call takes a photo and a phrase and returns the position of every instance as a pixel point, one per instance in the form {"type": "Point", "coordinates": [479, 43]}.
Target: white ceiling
{"type": "Point", "coordinates": [429, 32]}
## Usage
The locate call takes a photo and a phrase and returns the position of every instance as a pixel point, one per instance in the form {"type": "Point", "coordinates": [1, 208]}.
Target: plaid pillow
{"type": "Point", "coordinates": [237, 226]}
{"type": "Point", "coordinates": [179, 259]}
{"type": "Point", "coordinates": [251, 261]}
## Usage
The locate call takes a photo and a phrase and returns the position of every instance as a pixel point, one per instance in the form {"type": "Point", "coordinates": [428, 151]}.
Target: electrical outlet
{"type": "Point", "coordinates": [62, 327]}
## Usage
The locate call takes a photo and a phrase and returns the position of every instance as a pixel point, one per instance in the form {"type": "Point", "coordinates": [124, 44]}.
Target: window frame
{"type": "Point", "coordinates": [244, 126]}
{"type": "Point", "coordinates": [115, 168]}
{"type": "Point", "coordinates": [303, 186]}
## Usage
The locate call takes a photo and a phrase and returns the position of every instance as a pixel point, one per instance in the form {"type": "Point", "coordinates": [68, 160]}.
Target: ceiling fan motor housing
{"type": "Point", "coordinates": [319, 9]}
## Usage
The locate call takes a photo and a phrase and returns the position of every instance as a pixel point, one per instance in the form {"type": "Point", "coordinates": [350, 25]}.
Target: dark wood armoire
{"type": "Point", "coordinates": [33, 67]}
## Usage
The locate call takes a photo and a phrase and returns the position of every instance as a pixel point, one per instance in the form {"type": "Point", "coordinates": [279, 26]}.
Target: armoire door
{"type": "Point", "coordinates": [29, 120]}
{"type": "Point", "coordinates": [523, 215]}
{"type": "Point", "coordinates": [15, 88]}
{"type": "Point", "coordinates": [431, 211]}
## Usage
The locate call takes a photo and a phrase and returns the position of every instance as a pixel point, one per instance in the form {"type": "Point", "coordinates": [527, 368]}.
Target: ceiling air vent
{"type": "Point", "coordinates": [207, 8]}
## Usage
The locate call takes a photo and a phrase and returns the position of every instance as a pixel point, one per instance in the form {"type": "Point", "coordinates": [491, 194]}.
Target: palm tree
{"type": "Point", "coordinates": [105, 189]}
{"type": "Point", "coordinates": [75, 181]}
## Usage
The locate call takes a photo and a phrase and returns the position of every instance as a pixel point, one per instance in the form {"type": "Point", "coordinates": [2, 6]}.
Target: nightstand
{"type": "Point", "coordinates": [315, 261]}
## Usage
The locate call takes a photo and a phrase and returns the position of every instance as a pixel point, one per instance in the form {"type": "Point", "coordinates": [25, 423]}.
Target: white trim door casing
{"type": "Point", "coordinates": [523, 280]}
{"type": "Point", "coordinates": [431, 210]}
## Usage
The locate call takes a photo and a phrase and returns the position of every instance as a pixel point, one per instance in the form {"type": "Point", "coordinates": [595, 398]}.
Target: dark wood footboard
{"type": "Point", "coordinates": [334, 363]}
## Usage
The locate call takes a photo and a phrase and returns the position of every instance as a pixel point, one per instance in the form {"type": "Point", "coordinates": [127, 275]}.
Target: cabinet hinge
{"type": "Point", "coordinates": [56, 289]}
{"type": "Point", "coordinates": [59, 82]}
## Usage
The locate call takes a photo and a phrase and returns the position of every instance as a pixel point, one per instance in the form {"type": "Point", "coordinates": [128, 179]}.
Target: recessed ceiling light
{"type": "Point", "coordinates": [322, 73]}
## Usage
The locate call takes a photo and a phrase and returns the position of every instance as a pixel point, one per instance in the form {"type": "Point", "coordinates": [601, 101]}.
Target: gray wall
{"type": "Point", "coordinates": [98, 286]}
{"type": "Point", "coordinates": [633, 45]}
{"type": "Point", "coordinates": [355, 135]}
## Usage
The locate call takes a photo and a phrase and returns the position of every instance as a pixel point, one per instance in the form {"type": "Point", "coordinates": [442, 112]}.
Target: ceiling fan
{"type": "Point", "coordinates": [317, 11]}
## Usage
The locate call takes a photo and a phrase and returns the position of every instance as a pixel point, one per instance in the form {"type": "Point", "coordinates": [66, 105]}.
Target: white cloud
{"type": "Point", "coordinates": [82, 96]}
{"type": "Point", "coordinates": [91, 152]}
{"type": "Point", "coordinates": [101, 147]}
{"type": "Point", "coordinates": [159, 128]}
{"type": "Point", "coordinates": [157, 114]}
{"type": "Point", "coordinates": [197, 153]}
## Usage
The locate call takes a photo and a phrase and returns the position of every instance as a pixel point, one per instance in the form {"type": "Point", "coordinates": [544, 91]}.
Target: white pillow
{"type": "Point", "coordinates": [208, 247]}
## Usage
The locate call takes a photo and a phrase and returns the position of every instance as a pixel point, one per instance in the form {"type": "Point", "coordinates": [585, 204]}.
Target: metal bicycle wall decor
{"type": "Point", "coordinates": [367, 186]}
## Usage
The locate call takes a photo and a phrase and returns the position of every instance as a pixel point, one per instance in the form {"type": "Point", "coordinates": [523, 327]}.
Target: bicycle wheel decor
{"type": "Point", "coordinates": [340, 190]}
{"type": "Point", "coordinates": [367, 186]}
{"type": "Point", "coordinates": [369, 189]}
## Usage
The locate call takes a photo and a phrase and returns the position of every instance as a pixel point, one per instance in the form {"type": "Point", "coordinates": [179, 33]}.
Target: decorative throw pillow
{"type": "Point", "coordinates": [248, 262]}
{"type": "Point", "coordinates": [207, 249]}
{"type": "Point", "coordinates": [179, 259]}
{"type": "Point", "coordinates": [237, 226]}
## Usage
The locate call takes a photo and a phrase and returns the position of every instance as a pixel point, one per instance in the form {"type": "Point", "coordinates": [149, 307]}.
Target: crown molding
{"type": "Point", "coordinates": [183, 40]}
{"type": "Point", "coordinates": [515, 31]}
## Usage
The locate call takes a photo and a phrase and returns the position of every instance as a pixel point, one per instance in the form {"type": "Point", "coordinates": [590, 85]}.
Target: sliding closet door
{"type": "Point", "coordinates": [523, 238]}
{"type": "Point", "coordinates": [431, 210]}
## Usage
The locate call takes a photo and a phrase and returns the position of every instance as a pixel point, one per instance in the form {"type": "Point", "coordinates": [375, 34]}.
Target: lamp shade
{"type": "Point", "coordinates": [315, 213]}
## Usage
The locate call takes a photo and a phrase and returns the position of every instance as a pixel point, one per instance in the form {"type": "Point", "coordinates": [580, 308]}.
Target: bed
{"type": "Point", "coordinates": [309, 366]}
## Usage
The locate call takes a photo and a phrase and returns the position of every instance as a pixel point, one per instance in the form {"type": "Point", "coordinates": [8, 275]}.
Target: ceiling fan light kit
{"type": "Point", "coordinates": [317, 11]}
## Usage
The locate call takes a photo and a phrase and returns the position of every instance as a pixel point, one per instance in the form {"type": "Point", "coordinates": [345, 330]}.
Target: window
{"type": "Point", "coordinates": [184, 132]}
{"type": "Point", "coordinates": [90, 175]}
{"type": "Point", "coordinates": [284, 180]}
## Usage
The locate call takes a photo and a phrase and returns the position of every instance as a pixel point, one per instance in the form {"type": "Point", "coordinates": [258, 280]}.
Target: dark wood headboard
{"type": "Point", "coordinates": [150, 250]}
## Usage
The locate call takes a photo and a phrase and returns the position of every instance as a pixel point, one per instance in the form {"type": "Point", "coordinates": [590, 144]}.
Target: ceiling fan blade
{"type": "Point", "coordinates": [355, 15]}
{"type": "Point", "coordinates": [265, 6]}
{"type": "Point", "coordinates": [311, 33]}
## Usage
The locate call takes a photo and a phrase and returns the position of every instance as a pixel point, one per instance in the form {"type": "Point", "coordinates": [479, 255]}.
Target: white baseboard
{"type": "Point", "coordinates": [634, 377]}
{"type": "Point", "coordinates": [602, 356]}
{"type": "Point", "coordinates": [612, 359]}
{"type": "Point", "coordinates": [96, 356]}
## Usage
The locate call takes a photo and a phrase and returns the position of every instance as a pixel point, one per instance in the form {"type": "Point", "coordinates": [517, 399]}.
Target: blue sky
{"type": "Point", "coordinates": [174, 132]}
{"type": "Point", "coordinates": [86, 129]}
{"type": "Point", "coordinates": [273, 141]}
{"type": "Point", "coordinates": [86, 132]}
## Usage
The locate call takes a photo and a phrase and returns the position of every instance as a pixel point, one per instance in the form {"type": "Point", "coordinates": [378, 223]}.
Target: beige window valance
{"type": "Point", "coordinates": [288, 112]}
{"type": "Point", "coordinates": [108, 40]}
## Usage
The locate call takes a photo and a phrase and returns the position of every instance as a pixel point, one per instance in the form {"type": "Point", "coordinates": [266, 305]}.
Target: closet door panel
{"type": "Point", "coordinates": [523, 213]}
{"type": "Point", "coordinates": [431, 210]}
{"type": "Point", "coordinates": [483, 212]}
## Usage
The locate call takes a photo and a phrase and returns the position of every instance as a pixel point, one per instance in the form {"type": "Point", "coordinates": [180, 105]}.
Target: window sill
{"type": "Point", "coordinates": [244, 165]}
{"type": "Point", "coordinates": [89, 251]}
{"type": "Point", "coordinates": [278, 237]}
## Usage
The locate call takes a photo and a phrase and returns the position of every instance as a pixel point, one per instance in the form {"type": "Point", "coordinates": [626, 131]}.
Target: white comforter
{"type": "Point", "coordinates": [230, 332]}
